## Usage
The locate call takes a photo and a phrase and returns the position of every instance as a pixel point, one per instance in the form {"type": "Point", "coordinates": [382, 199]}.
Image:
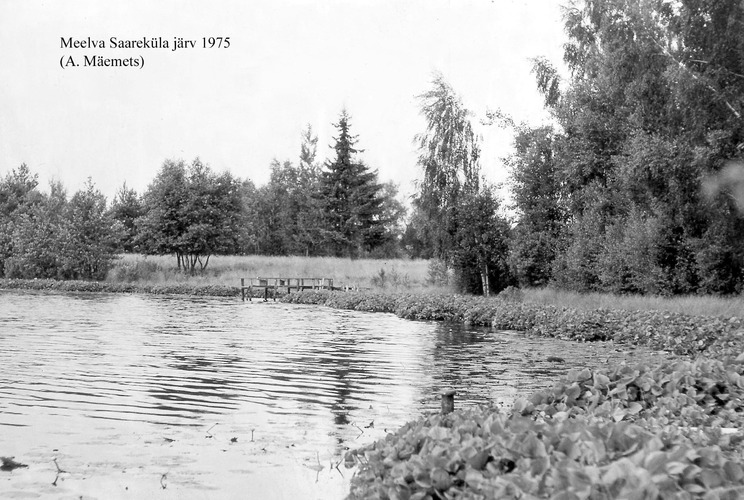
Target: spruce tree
{"type": "Point", "coordinates": [350, 194]}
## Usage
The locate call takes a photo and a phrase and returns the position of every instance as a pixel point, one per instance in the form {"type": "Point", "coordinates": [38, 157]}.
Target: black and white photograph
{"type": "Point", "coordinates": [371, 249]}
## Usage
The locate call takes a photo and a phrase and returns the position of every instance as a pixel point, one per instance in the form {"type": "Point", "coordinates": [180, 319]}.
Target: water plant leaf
{"type": "Point", "coordinates": [438, 433]}
{"type": "Point", "coordinates": [440, 479]}
{"type": "Point", "coordinates": [9, 464]}
{"type": "Point", "coordinates": [642, 431]}
{"type": "Point", "coordinates": [478, 461]}
{"type": "Point", "coordinates": [734, 472]}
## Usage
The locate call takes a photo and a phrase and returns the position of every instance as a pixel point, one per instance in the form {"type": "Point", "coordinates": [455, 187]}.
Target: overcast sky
{"type": "Point", "coordinates": [289, 63]}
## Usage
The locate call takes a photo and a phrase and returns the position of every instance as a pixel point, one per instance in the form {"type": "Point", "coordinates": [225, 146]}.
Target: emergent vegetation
{"type": "Point", "coordinates": [677, 333]}
{"type": "Point", "coordinates": [625, 432]}
{"type": "Point", "coordinates": [667, 431]}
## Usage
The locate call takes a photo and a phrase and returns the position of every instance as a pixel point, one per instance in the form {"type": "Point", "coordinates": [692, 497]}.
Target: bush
{"type": "Point", "coordinates": [629, 261]}
{"type": "Point", "coordinates": [63, 240]}
{"type": "Point", "coordinates": [531, 255]}
{"type": "Point", "coordinates": [511, 294]}
{"type": "Point", "coordinates": [393, 278]}
{"type": "Point", "coordinates": [575, 268]}
{"type": "Point", "coordinates": [131, 272]}
{"type": "Point", "coordinates": [438, 274]}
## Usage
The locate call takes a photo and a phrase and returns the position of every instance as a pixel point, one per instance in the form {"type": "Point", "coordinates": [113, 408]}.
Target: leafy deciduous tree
{"type": "Point", "coordinates": [18, 194]}
{"type": "Point", "coordinates": [481, 252]}
{"type": "Point", "coordinates": [91, 239]}
{"type": "Point", "coordinates": [449, 157]}
{"type": "Point", "coordinates": [537, 196]}
{"type": "Point", "coordinates": [653, 106]}
{"type": "Point", "coordinates": [126, 208]}
{"type": "Point", "coordinates": [191, 212]}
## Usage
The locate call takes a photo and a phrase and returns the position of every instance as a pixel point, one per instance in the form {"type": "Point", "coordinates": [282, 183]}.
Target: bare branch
{"type": "Point", "coordinates": [710, 87]}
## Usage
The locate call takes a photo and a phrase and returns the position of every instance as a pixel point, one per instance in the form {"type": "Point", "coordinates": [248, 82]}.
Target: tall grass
{"type": "Point", "coordinates": [227, 270]}
{"type": "Point", "coordinates": [696, 305]}
{"type": "Point", "coordinates": [401, 274]}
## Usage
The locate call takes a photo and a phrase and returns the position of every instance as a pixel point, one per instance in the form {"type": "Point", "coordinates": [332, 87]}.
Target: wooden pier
{"type": "Point", "coordinates": [270, 286]}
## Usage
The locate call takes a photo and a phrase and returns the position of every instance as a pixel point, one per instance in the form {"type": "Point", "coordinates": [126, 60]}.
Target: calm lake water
{"type": "Point", "coordinates": [137, 396]}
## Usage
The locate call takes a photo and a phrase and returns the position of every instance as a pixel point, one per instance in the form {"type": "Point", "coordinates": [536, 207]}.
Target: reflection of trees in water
{"type": "Point", "coordinates": [321, 366]}
{"type": "Point", "coordinates": [341, 354]}
{"type": "Point", "coordinates": [455, 334]}
{"type": "Point", "coordinates": [203, 383]}
{"type": "Point", "coordinates": [199, 372]}
{"type": "Point", "coordinates": [457, 358]}
{"type": "Point", "coordinates": [313, 363]}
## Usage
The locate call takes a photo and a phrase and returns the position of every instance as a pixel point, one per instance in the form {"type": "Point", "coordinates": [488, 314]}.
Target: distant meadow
{"type": "Point", "coordinates": [405, 275]}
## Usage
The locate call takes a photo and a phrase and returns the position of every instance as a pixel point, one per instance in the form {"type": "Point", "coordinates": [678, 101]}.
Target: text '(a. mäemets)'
{"type": "Point", "coordinates": [102, 60]}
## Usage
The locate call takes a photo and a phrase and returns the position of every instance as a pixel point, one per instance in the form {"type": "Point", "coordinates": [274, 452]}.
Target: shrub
{"type": "Point", "coordinates": [438, 274]}
{"type": "Point", "coordinates": [629, 261]}
{"type": "Point", "coordinates": [511, 294]}
{"type": "Point", "coordinates": [134, 271]}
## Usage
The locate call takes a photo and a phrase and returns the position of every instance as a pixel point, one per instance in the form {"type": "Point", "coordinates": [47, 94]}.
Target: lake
{"type": "Point", "coordinates": [133, 396]}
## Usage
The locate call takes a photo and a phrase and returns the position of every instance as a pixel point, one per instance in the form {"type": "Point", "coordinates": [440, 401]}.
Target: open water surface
{"type": "Point", "coordinates": [136, 396]}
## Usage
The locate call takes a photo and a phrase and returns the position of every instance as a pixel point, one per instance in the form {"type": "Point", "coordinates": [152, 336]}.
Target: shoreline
{"type": "Point", "coordinates": [702, 335]}
{"type": "Point", "coordinates": [709, 336]}
{"type": "Point", "coordinates": [659, 428]}
{"type": "Point", "coordinates": [108, 287]}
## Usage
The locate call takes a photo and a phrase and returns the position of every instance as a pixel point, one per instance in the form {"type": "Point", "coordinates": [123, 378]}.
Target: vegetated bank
{"type": "Point", "coordinates": [673, 332]}
{"type": "Point", "coordinates": [667, 431]}
{"type": "Point", "coordinates": [108, 287]}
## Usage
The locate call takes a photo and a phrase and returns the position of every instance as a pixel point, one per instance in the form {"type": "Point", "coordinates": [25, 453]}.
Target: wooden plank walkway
{"type": "Point", "coordinates": [270, 286]}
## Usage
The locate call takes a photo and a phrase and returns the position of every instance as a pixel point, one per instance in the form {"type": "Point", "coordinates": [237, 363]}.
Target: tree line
{"type": "Point", "coordinates": [637, 186]}
{"type": "Point", "coordinates": [339, 208]}
{"type": "Point", "coordinates": [47, 235]}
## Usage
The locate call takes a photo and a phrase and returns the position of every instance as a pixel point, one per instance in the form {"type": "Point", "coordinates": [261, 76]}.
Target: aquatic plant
{"type": "Point", "coordinates": [702, 392]}
{"type": "Point", "coordinates": [674, 332]}
{"type": "Point", "coordinates": [106, 287]}
{"type": "Point", "coordinates": [626, 432]}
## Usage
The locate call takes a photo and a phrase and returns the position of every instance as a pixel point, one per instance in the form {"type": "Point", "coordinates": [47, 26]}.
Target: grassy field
{"type": "Point", "coordinates": [705, 305]}
{"type": "Point", "coordinates": [391, 274]}
{"type": "Point", "coordinates": [227, 270]}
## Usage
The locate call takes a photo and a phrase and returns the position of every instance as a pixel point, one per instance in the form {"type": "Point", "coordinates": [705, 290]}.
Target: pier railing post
{"type": "Point", "coordinates": [272, 287]}
{"type": "Point", "coordinates": [448, 401]}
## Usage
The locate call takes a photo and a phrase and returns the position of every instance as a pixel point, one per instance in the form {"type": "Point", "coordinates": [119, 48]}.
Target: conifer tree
{"type": "Point", "coordinates": [350, 190]}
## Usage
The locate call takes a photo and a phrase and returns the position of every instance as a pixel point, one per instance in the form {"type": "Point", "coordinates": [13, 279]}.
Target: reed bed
{"type": "Point", "coordinates": [227, 270]}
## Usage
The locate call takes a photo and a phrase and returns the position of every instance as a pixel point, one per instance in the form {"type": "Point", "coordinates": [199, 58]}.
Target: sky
{"type": "Point", "coordinates": [289, 63]}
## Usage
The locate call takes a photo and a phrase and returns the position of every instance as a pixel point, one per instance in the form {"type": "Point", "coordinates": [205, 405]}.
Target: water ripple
{"type": "Point", "coordinates": [105, 369]}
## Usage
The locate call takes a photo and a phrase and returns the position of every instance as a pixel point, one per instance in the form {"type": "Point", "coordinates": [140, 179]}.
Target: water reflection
{"type": "Point", "coordinates": [291, 384]}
